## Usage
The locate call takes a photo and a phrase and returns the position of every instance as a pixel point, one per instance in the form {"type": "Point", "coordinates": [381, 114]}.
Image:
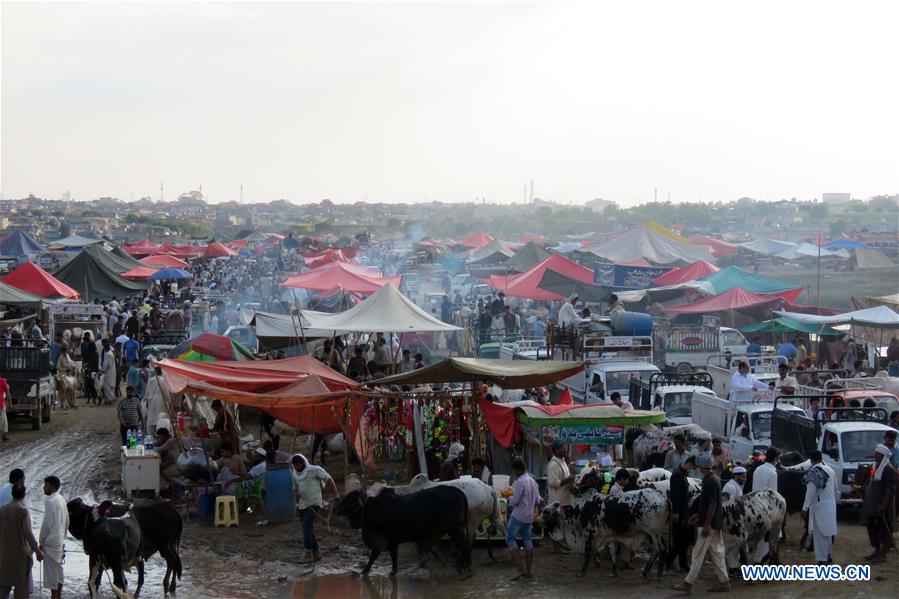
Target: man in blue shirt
{"type": "Point", "coordinates": [136, 380]}
{"type": "Point", "coordinates": [131, 349]}
{"type": "Point", "coordinates": [539, 327]}
{"type": "Point", "coordinates": [754, 347]}
{"type": "Point", "coordinates": [787, 350]}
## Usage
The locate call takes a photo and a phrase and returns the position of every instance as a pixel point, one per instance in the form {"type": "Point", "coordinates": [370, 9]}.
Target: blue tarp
{"type": "Point", "coordinates": [18, 244]}
{"type": "Point", "coordinates": [731, 277]}
{"type": "Point", "coordinates": [844, 244]}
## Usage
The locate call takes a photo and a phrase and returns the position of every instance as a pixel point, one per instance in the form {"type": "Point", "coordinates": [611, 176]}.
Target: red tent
{"type": "Point", "coordinates": [163, 261]}
{"type": "Point", "coordinates": [717, 247]}
{"type": "Point", "coordinates": [238, 244]}
{"type": "Point", "coordinates": [141, 248]}
{"type": "Point", "coordinates": [690, 272]}
{"type": "Point", "coordinates": [140, 272]}
{"type": "Point", "coordinates": [316, 259]}
{"type": "Point", "coordinates": [732, 299]}
{"type": "Point", "coordinates": [219, 250]}
{"type": "Point", "coordinates": [526, 284]}
{"type": "Point", "coordinates": [349, 277]}
{"type": "Point", "coordinates": [477, 241]}
{"type": "Point", "coordinates": [36, 281]}
{"type": "Point", "coordinates": [299, 391]}
{"type": "Point", "coordinates": [182, 251]}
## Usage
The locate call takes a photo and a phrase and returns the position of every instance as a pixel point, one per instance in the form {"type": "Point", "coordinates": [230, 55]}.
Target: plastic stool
{"type": "Point", "coordinates": [226, 511]}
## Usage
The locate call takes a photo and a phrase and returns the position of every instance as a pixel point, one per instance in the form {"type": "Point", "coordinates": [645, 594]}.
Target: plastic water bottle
{"type": "Point", "coordinates": [139, 442]}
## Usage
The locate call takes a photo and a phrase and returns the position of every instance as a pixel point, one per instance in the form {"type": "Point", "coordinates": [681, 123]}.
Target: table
{"type": "Point", "coordinates": [140, 472]}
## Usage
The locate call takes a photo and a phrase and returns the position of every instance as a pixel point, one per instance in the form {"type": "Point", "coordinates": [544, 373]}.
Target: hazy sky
{"type": "Point", "coordinates": [450, 101]}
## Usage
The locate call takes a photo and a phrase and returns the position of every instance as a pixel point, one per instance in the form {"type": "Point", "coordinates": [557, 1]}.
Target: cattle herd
{"type": "Point", "coordinates": [425, 512]}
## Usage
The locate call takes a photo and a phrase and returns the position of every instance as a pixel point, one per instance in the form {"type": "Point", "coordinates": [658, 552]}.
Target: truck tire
{"type": "Point", "coordinates": [46, 407]}
{"type": "Point", "coordinates": [36, 418]}
{"type": "Point", "coordinates": [684, 368]}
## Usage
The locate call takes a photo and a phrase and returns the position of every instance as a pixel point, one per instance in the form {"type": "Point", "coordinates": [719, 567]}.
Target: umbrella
{"type": "Point", "coordinates": [210, 348]}
{"type": "Point", "coordinates": [171, 274]}
{"type": "Point", "coordinates": [560, 284]}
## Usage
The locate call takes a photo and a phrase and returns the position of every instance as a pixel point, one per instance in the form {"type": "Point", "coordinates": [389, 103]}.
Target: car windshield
{"type": "Point", "coordinates": [621, 381]}
{"type": "Point", "coordinates": [858, 446]}
{"type": "Point", "coordinates": [678, 405]}
{"type": "Point", "coordinates": [761, 425]}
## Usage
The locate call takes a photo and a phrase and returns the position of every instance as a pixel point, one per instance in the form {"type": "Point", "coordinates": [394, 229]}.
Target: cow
{"type": "Point", "coordinates": [110, 531]}
{"type": "Point", "coordinates": [630, 519]}
{"type": "Point", "coordinates": [791, 486]}
{"type": "Point", "coordinates": [388, 519]}
{"type": "Point", "coordinates": [751, 518]}
{"type": "Point", "coordinates": [483, 501]}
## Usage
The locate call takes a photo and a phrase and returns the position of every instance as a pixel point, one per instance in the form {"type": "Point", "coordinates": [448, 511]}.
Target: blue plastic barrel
{"type": "Point", "coordinates": [279, 501]}
{"type": "Point", "coordinates": [206, 506]}
{"type": "Point", "coordinates": [632, 324]}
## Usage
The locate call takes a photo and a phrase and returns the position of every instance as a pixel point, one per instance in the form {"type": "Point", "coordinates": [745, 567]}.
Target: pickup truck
{"type": "Point", "coordinates": [27, 370]}
{"type": "Point", "coordinates": [684, 349]}
{"type": "Point", "coordinates": [743, 427]}
{"type": "Point", "coordinates": [846, 438]}
{"type": "Point", "coordinates": [671, 393]}
{"type": "Point", "coordinates": [850, 391]}
{"type": "Point", "coordinates": [601, 378]}
{"type": "Point", "coordinates": [75, 318]}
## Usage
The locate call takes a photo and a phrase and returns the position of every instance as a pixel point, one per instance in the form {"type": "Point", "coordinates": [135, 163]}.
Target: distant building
{"type": "Point", "coordinates": [836, 198]}
{"type": "Point", "coordinates": [598, 205]}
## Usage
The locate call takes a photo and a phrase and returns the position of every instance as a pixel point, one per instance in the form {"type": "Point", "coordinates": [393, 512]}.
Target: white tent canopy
{"type": "Point", "coordinates": [806, 250]}
{"type": "Point", "coordinates": [768, 247]}
{"type": "Point", "coordinates": [647, 241]}
{"type": "Point", "coordinates": [385, 311]}
{"type": "Point", "coordinates": [267, 324]}
{"type": "Point", "coordinates": [876, 317]}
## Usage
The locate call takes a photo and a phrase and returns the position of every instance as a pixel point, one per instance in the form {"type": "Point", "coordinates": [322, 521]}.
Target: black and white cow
{"type": "Point", "coordinates": [751, 518]}
{"type": "Point", "coordinates": [630, 520]}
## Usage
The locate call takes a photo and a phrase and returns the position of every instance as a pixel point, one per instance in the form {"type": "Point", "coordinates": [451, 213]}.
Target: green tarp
{"type": "Point", "coordinates": [731, 277]}
{"type": "Point", "coordinates": [787, 325]}
{"type": "Point", "coordinates": [96, 274]}
{"type": "Point", "coordinates": [12, 296]}
{"type": "Point", "coordinates": [526, 257]}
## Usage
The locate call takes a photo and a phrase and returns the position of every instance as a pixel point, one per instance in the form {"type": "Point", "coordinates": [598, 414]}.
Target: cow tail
{"type": "Point", "coordinates": [178, 559]}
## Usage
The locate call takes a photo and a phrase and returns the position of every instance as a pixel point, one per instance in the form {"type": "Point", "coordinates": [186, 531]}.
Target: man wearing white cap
{"type": "Point", "coordinates": [734, 489]}
{"type": "Point", "coordinates": [710, 538]}
{"type": "Point", "coordinates": [605, 474]}
{"type": "Point", "coordinates": [449, 470]}
{"type": "Point", "coordinates": [821, 505]}
{"type": "Point", "coordinates": [875, 507]}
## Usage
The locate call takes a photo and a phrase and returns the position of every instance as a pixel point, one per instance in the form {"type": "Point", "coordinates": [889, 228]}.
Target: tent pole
{"type": "Point", "coordinates": [296, 304]}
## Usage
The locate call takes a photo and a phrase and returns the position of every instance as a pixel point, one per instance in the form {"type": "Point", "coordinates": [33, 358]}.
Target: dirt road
{"type": "Point", "coordinates": [252, 561]}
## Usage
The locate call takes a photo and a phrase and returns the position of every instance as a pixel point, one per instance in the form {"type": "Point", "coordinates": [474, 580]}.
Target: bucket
{"type": "Point", "coordinates": [501, 481]}
{"type": "Point", "coordinates": [279, 501]}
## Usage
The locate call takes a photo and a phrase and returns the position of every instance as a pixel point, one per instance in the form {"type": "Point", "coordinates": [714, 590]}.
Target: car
{"type": "Point", "coordinates": [411, 282]}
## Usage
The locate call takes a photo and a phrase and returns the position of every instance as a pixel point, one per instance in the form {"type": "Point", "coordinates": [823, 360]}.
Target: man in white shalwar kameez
{"type": "Point", "coordinates": [107, 373]}
{"type": "Point", "coordinates": [734, 489]}
{"type": "Point", "coordinates": [765, 477]}
{"type": "Point", "coordinates": [154, 402]}
{"type": "Point", "coordinates": [821, 505]}
{"type": "Point", "coordinates": [53, 535]}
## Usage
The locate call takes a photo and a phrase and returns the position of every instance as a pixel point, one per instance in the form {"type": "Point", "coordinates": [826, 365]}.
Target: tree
{"type": "Point", "coordinates": [90, 214]}
{"type": "Point", "coordinates": [64, 229]}
{"type": "Point", "coordinates": [394, 224]}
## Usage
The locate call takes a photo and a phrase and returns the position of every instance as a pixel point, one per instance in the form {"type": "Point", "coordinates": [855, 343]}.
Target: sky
{"type": "Point", "coordinates": [411, 102]}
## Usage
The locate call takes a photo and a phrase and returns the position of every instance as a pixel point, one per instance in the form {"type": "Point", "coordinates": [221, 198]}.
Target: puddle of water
{"type": "Point", "coordinates": [362, 587]}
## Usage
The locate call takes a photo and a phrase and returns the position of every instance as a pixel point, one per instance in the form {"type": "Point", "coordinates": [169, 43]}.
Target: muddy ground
{"type": "Point", "coordinates": [81, 446]}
